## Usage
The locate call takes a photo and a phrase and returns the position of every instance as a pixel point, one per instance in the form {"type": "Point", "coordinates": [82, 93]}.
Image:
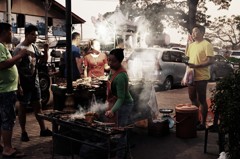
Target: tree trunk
{"type": "Point", "coordinates": [192, 6]}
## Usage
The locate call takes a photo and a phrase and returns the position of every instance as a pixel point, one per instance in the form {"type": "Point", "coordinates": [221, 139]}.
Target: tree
{"type": "Point", "coordinates": [226, 30]}
{"type": "Point", "coordinates": [185, 13]}
{"type": "Point", "coordinates": [152, 11]}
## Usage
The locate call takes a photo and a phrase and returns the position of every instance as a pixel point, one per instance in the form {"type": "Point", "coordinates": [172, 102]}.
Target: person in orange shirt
{"type": "Point", "coordinates": [95, 61]}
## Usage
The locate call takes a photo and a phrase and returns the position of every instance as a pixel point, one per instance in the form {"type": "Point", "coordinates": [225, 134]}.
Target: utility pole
{"type": "Point", "coordinates": [47, 4]}
{"type": "Point", "coordinates": [9, 10]}
{"type": "Point", "coordinates": [69, 44]}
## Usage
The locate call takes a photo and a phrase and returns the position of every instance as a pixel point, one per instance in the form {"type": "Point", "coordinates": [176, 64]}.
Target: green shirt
{"type": "Point", "coordinates": [120, 89]}
{"type": "Point", "coordinates": [8, 76]}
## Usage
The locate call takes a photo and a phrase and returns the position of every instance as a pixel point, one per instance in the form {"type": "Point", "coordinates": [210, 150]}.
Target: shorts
{"type": "Point", "coordinates": [7, 112]}
{"type": "Point", "coordinates": [30, 95]}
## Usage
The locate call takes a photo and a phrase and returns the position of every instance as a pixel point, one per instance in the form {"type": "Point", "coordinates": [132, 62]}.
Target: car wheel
{"type": "Point", "coordinates": [167, 85]}
{"type": "Point", "coordinates": [44, 81]}
{"type": "Point", "coordinates": [213, 76]}
{"type": "Point", "coordinates": [45, 96]}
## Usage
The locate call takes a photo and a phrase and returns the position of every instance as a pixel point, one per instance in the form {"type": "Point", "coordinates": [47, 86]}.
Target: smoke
{"type": "Point", "coordinates": [95, 107]}
{"type": "Point", "coordinates": [143, 64]}
{"type": "Point", "coordinates": [143, 71]}
{"type": "Point", "coordinates": [118, 25]}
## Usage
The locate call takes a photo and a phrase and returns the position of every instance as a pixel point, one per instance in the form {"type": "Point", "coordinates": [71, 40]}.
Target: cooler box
{"type": "Point", "coordinates": [186, 120]}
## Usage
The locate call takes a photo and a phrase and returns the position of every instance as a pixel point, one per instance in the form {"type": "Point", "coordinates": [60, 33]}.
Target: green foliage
{"type": "Point", "coordinates": [226, 101]}
{"type": "Point", "coordinates": [233, 60]}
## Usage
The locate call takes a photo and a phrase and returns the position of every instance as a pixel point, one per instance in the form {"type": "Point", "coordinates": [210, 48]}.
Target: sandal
{"type": "Point", "coordinates": [16, 154]}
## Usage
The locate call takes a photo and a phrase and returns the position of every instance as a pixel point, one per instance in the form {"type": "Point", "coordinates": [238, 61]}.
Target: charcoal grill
{"type": "Point", "coordinates": [104, 131]}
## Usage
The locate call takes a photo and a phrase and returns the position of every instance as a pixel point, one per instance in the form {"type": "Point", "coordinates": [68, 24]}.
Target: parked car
{"type": "Point", "coordinates": [164, 67]}
{"type": "Point", "coordinates": [220, 68]}
{"type": "Point", "coordinates": [235, 53]}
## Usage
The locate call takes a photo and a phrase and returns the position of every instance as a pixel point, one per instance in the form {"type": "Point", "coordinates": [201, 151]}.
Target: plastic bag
{"type": "Point", "coordinates": [223, 155]}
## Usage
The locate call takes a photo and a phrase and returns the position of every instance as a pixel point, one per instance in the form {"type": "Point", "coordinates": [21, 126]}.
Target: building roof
{"type": "Point", "coordinates": [36, 8]}
{"type": "Point", "coordinates": [75, 18]}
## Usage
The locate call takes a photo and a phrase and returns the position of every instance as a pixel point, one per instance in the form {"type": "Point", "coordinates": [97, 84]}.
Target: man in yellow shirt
{"type": "Point", "coordinates": [200, 54]}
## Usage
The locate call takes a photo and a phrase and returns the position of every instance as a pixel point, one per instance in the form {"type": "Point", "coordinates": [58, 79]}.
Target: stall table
{"type": "Point", "coordinates": [102, 131]}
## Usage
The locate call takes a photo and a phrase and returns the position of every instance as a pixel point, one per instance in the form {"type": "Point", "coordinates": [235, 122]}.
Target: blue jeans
{"type": "Point", "coordinates": [7, 112]}
{"type": "Point", "coordinates": [123, 120]}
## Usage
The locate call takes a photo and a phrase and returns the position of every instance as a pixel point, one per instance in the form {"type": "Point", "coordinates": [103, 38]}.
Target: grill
{"type": "Point", "coordinates": [84, 129]}
{"type": "Point", "coordinates": [83, 93]}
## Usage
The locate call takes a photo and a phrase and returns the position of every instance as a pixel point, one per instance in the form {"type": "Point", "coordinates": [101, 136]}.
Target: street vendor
{"type": "Point", "coordinates": [120, 101]}
{"type": "Point", "coordinates": [95, 61]}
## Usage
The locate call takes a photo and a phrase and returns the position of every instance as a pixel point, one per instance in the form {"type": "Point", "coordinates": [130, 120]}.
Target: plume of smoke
{"type": "Point", "coordinates": [145, 101]}
{"type": "Point", "coordinates": [95, 107]}
{"type": "Point", "coordinates": [143, 65]}
{"type": "Point", "coordinates": [116, 23]}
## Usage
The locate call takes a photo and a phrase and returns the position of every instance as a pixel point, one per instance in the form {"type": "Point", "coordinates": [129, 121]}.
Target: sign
{"type": "Point", "coordinates": [59, 28]}
{"type": "Point", "coordinates": [39, 22]}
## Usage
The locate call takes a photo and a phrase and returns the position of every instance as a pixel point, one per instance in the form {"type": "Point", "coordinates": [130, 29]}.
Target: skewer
{"type": "Point", "coordinates": [103, 123]}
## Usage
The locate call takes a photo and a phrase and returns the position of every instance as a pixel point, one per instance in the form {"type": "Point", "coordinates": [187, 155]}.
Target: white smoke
{"type": "Point", "coordinates": [117, 24]}
{"type": "Point", "coordinates": [95, 107]}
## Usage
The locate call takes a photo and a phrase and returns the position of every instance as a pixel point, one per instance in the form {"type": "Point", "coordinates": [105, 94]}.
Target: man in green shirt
{"type": "Point", "coordinates": [8, 88]}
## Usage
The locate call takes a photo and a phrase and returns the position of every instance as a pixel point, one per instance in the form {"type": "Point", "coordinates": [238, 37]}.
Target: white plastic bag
{"type": "Point", "coordinates": [223, 155]}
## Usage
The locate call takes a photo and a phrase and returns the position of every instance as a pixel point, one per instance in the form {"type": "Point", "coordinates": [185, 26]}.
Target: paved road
{"type": "Point", "coordinates": [179, 95]}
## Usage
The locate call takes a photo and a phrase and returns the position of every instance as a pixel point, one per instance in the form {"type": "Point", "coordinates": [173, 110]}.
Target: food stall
{"type": "Point", "coordinates": [75, 128]}
{"type": "Point", "coordinates": [88, 92]}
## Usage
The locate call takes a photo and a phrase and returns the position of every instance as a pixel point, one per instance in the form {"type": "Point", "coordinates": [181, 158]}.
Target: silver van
{"type": "Point", "coordinates": [162, 66]}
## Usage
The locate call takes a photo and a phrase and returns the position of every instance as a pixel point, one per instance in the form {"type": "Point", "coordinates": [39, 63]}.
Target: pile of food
{"type": "Point", "coordinates": [87, 82]}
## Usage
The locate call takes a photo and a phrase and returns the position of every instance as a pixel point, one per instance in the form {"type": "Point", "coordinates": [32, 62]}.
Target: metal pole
{"type": "Point", "coordinates": [81, 32]}
{"type": "Point", "coordinates": [47, 4]}
{"type": "Point", "coordinates": [69, 46]}
{"type": "Point", "coordinates": [9, 12]}
{"type": "Point", "coordinates": [46, 20]}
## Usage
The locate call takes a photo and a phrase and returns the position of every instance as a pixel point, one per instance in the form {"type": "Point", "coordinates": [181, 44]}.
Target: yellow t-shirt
{"type": "Point", "coordinates": [198, 53]}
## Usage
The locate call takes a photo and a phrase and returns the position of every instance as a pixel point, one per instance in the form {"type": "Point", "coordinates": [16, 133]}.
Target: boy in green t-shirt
{"type": "Point", "coordinates": [8, 88]}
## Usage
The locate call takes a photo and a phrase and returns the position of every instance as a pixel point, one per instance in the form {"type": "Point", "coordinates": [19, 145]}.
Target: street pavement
{"type": "Point", "coordinates": [143, 146]}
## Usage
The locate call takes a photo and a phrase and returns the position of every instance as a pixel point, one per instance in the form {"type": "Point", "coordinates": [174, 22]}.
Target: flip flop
{"type": "Point", "coordinates": [16, 154]}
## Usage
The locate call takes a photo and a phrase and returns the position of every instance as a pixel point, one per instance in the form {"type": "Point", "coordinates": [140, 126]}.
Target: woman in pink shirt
{"type": "Point", "coordinates": [95, 61]}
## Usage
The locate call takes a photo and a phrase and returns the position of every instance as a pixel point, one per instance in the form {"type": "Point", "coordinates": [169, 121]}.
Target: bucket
{"type": "Point", "coordinates": [186, 120]}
